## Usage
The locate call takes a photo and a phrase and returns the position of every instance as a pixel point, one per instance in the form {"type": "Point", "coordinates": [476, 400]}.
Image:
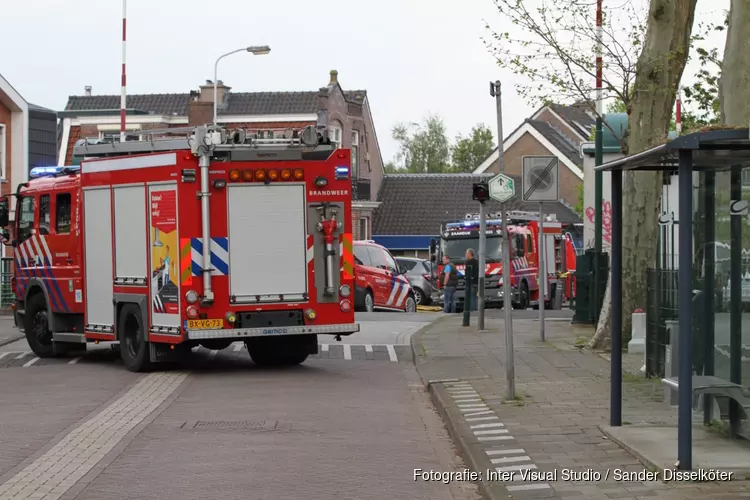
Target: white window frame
{"type": "Point", "coordinates": [366, 234]}
{"type": "Point", "coordinates": [355, 153]}
{"type": "Point", "coordinates": [336, 134]}
{"type": "Point", "coordinates": [3, 149]}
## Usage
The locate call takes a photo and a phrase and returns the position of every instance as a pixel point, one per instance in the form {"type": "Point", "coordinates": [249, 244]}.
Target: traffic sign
{"type": "Point", "coordinates": [502, 188]}
{"type": "Point", "coordinates": [539, 181]}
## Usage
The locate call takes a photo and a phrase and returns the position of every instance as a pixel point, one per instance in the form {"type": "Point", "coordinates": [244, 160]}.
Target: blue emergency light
{"type": "Point", "coordinates": [37, 172]}
{"type": "Point", "coordinates": [342, 172]}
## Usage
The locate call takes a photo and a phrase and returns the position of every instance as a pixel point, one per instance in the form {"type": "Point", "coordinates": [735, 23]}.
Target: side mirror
{"type": "Point", "coordinates": [433, 247]}
{"type": "Point", "coordinates": [433, 258]}
{"type": "Point", "coordinates": [4, 212]}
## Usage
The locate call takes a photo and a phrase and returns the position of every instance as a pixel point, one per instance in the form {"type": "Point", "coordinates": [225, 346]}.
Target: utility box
{"type": "Point", "coordinates": [587, 306]}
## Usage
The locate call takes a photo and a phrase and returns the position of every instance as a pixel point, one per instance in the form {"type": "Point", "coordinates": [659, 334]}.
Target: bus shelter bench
{"type": "Point", "coordinates": [719, 388]}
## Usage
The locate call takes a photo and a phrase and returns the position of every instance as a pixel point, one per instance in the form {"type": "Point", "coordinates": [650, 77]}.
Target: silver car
{"type": "Point", "coordinates": [418, 274]}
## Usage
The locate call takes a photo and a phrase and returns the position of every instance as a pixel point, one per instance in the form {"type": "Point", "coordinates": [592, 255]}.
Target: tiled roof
{"type": "Point", "coordinates": [573, 114]}
{"type": "Point", "coordinates": [558, 139]}
{"type": "Point", "coordinates": [416, 204]}
{"type": "Point", "coordinates": [238, 103]}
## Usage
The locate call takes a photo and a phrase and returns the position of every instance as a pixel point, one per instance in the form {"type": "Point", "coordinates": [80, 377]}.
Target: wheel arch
{"type": "Point", "coordinates": [123, 299]}
{"type": "Point", "coordinates": [35, 287]}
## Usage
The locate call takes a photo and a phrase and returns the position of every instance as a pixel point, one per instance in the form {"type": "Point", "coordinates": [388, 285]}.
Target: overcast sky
{"type": "Point", "coordinates": [414, 57]}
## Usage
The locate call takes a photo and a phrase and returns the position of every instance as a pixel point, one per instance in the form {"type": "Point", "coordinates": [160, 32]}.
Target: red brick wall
{"type": "Point", "coordinates": [5, 120]}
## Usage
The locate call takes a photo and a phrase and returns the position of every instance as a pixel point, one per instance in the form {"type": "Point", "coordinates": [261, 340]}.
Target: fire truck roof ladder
{"type": "Point", "coordinates": [205, 138]}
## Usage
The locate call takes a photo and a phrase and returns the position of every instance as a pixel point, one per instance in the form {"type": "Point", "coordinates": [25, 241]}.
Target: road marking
{"type": "Point", "coordinates": [347, 351]}
{"type": "Point", "coordinates": [489, 432]}
{"type": "Point", "coordinates": [464, 400]}
{"type": "Point", "coordinates": [238, 346]}
{"type": "Point", "coordinates": [391, 352]}
{"type": "Point", "coordinates": [3, 354]}
{"type": "Point", "coordinates": [526, 487]}
{"type": "Point", "coordinates": [473, 408]}
{"type": "Point", "coordinates": [484, 426]}
{"type": "Point", "coordinates": [507, 460]}
{"type": "Point", "coordinates": [22, 355]}
{"type": "Point", "coordinates": [85, 446]}
{"type": "Point", "coordinates": [477, 413]}
{"type": "Point", "coordinates": [479, 419]}
{"type": "Point", "coordinates": [74, 361]}
{"type": "Point", "coordinates": [494, 438]}
{"type": "Point", "coordinates": [368, 348]}
{"type": "Point", "coordinates": [29, 363]}
{"type": "Point", "coordinates": [472, 405]}
{"type": "Point", "coordinates": [515, 467]}
{"type": "Point", "coordinates": [324, 347]}
{"type": "Point", "coordinates": [504, 452]}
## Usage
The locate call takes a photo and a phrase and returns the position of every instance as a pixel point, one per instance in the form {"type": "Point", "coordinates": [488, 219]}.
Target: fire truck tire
{"type": "Point", "coordinates": [523, 297]}
{"type": "Point", "coordinates": [216, 344]}
{"type": "Point", "coordinates": [36, 326]}
{"type": "Point", "coordinates": [134, 348]}
{"type": "Point", "coordinates": [369, 302]}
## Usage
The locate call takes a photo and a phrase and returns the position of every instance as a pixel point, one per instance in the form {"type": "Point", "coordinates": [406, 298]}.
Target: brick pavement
{"type": "Point", "coordinates": [562, 397]}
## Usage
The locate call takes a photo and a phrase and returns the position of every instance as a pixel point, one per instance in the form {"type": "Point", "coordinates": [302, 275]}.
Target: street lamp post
{"type": "Point", "coordinates": [257, 50]}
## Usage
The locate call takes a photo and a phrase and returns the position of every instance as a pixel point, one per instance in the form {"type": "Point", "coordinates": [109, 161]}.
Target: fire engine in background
{"type": "Point", "coordinates": [203, 239]}
{"type": "Point", "coordinates": [560, 259]}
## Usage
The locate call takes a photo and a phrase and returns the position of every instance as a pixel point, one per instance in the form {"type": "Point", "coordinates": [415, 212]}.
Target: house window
{"type": "Point", "coordinates": [355, 154]}
{"type": "Point", "coordinates": [364, 228]}
{"type": "Point", "coordinates": [335, 136]}
{"type": "Point", "coordinates": [44, 214]}
{"type": "Point", "coordinates": [62, 213]}
{"type": "Point", "coordinates": [745, 177]}
{"type": "Point", "coordinates": [2, 150]}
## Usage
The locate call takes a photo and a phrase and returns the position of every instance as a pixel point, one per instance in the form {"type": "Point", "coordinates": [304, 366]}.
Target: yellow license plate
{"type": "Point", "coordinates": [205, 324]}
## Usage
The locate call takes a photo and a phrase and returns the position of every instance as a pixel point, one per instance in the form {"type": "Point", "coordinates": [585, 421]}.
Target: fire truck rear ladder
{"type": "Point", "coordinates": [206, 142]}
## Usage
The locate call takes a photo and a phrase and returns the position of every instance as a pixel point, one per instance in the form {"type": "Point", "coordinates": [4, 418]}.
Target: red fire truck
{"type": "Point", "coordinates": [173, 242]}
{"type": "Point", "coordinates": [458, 236]}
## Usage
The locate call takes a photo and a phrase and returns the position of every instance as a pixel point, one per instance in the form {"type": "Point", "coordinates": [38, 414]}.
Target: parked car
{"type": "Point", "coordinates": [379, 281]}
{"type": "Point", "coordinates": [418, 274]}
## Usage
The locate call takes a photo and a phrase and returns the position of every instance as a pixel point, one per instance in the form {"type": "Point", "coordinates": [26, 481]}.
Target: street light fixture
{"type": "Point", "coordinates": [256, 50]}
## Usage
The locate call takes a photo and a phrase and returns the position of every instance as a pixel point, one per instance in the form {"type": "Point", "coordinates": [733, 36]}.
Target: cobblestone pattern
{"type": "Point", "coordinates": [52, 474]}
{"type": "Point", "coordinates": [562, 397]}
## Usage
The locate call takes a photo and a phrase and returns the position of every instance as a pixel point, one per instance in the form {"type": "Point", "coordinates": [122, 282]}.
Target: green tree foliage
{"type": "Point", "coordinates": [425, 148]}
{"type": "Point", "coordinates": [469, 152]}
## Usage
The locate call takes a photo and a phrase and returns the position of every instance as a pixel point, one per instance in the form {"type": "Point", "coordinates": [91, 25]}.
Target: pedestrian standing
{"type": "Point", "coordinates": [450, 282]}
{"type": "Point", "coordinates": [472, 273]}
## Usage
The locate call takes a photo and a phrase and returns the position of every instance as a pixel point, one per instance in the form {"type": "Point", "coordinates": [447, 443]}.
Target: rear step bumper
{"type": "Point", "coordinates": [239, 333]}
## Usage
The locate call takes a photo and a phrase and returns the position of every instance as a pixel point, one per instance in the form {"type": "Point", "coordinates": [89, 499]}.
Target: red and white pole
{"type": "Point", "coordinates": [123, 83]}
{"type": "Point", "coordinates": [678, 114]}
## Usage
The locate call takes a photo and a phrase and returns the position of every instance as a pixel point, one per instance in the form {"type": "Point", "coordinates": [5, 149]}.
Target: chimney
{"type": "Point", "coordinates": [334, 77]}
{"type": "Point", "coordinates": [207, 92]}
{"type": "Point", "coordinates": [87, 90]}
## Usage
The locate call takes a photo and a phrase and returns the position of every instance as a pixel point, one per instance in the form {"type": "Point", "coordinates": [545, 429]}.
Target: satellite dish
{"type": "Point", "coordinates": [309, 136]}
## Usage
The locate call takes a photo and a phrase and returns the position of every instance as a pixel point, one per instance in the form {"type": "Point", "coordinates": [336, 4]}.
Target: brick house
{"type": "Point", "coordinates": [413, 206]}
{"type": "Point", "coordinates": [553, 130]}
{"type": "Point", "coordinates": [268, 114]}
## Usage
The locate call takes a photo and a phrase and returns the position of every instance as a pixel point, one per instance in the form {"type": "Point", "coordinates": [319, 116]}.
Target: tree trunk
{"type": "Point", "coordinates": [658, 73]}
{"type": "Point", "coordinates": [734, 92]}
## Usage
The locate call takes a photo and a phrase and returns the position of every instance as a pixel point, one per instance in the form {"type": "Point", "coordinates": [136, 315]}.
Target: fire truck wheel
{"type": "Point", "coordinates": [36, 326]}
{"type": "Point", "coordinates": [267, 354]}
{"type": "Point", "coordinates": [523, 297]}
{"type": "Point", "coordinates": [411, 304]}
{"type": "Point", "coordinates": [134, 349]}
{"type": "Point", "coordinates": [369, 302]}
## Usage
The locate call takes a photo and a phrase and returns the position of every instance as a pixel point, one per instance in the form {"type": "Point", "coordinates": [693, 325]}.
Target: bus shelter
{"type": "Point", "coordinates": [707, 171]}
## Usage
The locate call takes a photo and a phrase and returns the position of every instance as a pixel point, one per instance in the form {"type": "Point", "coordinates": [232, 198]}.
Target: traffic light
{"type": "Point", "coordinates": [481, 192]}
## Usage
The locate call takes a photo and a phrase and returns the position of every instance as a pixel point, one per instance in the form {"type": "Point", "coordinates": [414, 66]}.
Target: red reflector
{"type": "Point", "coordinates": [341, 155]}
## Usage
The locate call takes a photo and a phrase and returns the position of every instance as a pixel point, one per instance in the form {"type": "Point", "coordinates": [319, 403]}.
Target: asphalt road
{"type": "Point", "coordinates": [351, 422]}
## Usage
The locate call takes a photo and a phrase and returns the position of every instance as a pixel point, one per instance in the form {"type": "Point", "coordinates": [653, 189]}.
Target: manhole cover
{"type": "Point", "coordinates": [233, 425]}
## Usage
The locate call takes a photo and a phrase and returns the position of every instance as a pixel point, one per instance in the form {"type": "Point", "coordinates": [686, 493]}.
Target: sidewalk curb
{"type": "Point", "coordinates": [11, 340]}
{"type": "Point", "coordinates": [441, 401]}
